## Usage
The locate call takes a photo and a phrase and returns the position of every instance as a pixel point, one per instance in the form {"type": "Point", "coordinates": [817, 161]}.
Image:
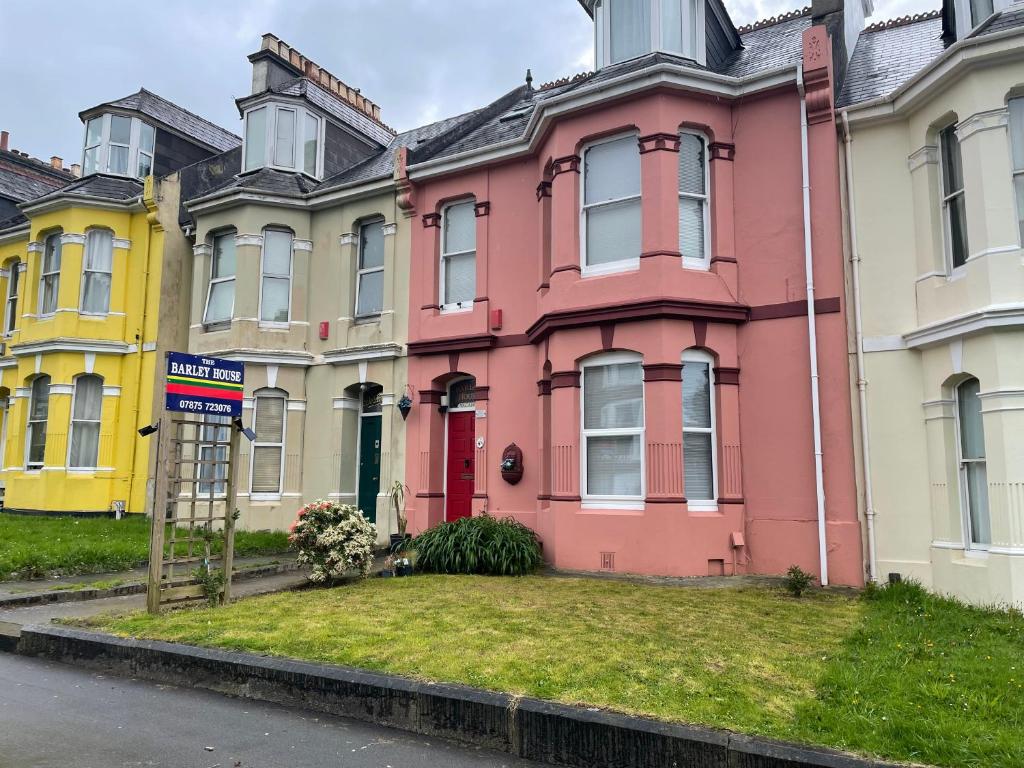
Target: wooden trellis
{"type": "Point", "coordinates": [187, 517]}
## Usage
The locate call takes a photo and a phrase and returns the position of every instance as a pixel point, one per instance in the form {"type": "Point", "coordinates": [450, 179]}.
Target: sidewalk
{"type": "Point", "coordinates": [35, 591]}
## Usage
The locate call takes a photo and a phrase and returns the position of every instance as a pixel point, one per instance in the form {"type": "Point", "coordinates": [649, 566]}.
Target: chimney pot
{"type": "Point", "coordinates": [57, 162]}
{"type": "Point", "coordinates": [4, 138]}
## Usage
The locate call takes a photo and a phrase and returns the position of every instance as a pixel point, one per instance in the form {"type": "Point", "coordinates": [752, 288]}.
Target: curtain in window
{"type": "Point", "coordinates": [221, 301]}
{"type": "Point", "coordinates": [613, 402]}
{"type": "Point", "coordinates": [309, 146]}
{"type": "Point", "coordinates": [269, 444]}
{"type": "Point", "coordinates": [459, 252]}
{"type": "Point", "coordinates": [370, 288]}
{"type": "Point", "coordinates": [96, 275]}
{"type": "Point", "coordinates": [38, 412]}
{"type": "Point", "coordinates": [972, 460]}
{"type": "Point", "coordinates": [630, 28]}
{"type": "Point", "coordinates": [284, 141]}
{"type": "Point", "coordinates": [50, 280]}
{"type": "Point", "coordinates": [120, 140]}
{"type": "Point", "coordinates": [277, 268]}
{"type": "Point", "coordinates": [692, 196]}
{"type": "Point", "coordinates": [85, 422]}
{"type": "Point", "coordinates": [93, 140]}
{"type": "Point", "coordinates": [612, 201]}
{"type": "Point", "coordinates": [1017, 145]}
{"type": "Point", "coordinates": [698, 443]}
{"type": "Point", "coordinates": [256, 138]}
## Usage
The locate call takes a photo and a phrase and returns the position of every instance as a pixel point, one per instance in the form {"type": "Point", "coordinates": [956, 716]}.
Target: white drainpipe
{"type": "Point", "coordinates": [862, 382]}
{"type": "Point", "coordinates": [812, 332]}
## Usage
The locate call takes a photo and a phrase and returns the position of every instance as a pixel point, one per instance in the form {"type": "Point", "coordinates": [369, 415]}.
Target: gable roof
{"type": "Point", "coordinates": [171, 115]}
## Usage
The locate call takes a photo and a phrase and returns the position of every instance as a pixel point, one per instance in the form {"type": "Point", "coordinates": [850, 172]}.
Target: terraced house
{"type": "Point", "coordinates": [300, 270]}
{"type": "Point", "coordinates": [933, 110]}
{"type": "Point", "coordinates": [91, 282]}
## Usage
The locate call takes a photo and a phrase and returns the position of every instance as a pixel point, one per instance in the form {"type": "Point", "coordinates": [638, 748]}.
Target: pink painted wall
{"type": "Point", "coordinates": [528, 256]}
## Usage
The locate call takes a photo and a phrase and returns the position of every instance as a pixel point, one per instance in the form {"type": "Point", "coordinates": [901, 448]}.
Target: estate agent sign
{"type": "Point", "coordinates": [204, 385]}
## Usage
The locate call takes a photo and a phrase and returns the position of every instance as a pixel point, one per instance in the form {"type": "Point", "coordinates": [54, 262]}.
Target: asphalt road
{"type": "Point", "coordinates": [58, 715]}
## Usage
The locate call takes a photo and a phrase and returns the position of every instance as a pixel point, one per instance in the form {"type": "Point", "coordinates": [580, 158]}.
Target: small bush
{"type": "Point", "coordinates": [335, 539]}
{"type": "Point", "coordinates": [797, 580]}
{"type": "Point", "coordinates": [481, 545]}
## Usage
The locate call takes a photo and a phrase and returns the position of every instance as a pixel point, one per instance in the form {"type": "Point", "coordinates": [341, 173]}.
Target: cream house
{"type": "Point", "coordinates": [299, 271]}
{"type": "Point", "coordinates": [933, 110]}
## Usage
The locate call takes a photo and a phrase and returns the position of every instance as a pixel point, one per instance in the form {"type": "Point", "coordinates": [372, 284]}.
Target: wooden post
{"type": "Point", "coordinates": [228, 557]}
{"type": "Point", "coordinates": [157, 524]}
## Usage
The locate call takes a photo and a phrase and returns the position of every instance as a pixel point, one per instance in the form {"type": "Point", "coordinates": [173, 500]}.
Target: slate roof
{"type": "Point", "coordinates": [1010, 18]}
{"type": "Point", "coordinates": [173, 116]}
{"type": "Point", "coordinates": [768, 47]}
{"type": "Point", "coordinates": [14, 221]}
{"type": "Point", "coordinates": [23, 178]}
{"type": "Point", "coordinates": [98, 186]}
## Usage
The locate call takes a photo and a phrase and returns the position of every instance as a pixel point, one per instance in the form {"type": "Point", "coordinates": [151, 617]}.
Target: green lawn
{"type": "Point", "coordinates": [902, 675]}
{"type": "Point", "coordinates": [35, 547]}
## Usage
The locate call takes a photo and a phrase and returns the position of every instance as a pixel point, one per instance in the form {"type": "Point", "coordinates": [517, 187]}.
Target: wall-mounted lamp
{"type": "Point", "coordinates": [248, 433]}
{"type": "Point", "coordinates": [149, 429]}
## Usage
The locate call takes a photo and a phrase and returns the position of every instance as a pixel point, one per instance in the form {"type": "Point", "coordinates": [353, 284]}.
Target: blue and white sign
{"type": "Point", "coordinates": [207, 385]}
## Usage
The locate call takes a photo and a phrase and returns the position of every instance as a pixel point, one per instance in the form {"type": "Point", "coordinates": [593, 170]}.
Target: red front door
{"type": "Point", "coordinates": [459, 470]}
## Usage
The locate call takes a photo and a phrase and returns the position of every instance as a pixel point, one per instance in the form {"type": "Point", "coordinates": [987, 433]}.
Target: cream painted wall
{"type": "Point", "coordinates": [925, 331]}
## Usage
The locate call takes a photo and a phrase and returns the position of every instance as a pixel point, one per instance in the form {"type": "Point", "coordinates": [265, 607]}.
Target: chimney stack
{"type": "Point", "coordinates": [844, 20]}
{"type": "Point", "coordinates": [57, 162]}
{"type": "Point", "coordinates": [5, 136]}
{"type": "Point", "coordinates": [76, 170]}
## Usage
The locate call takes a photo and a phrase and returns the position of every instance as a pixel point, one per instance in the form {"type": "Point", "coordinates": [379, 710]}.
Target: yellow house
{"type": "Point", "coordinates": [93, 285]}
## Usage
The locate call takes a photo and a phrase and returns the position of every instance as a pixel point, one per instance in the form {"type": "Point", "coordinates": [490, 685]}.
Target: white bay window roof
{"type": "Point", "coordinates": [626, 29]}
{"type": "Point", "coordinates": [284, 136]}
{"type": "Point", "coordinates": [118, 145]}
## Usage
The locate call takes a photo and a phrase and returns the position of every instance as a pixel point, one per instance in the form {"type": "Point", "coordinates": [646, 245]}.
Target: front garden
{"type": "Point", "coordinates": [36, 547]}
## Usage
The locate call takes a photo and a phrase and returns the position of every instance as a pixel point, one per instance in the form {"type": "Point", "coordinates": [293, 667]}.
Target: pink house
{"type": "Point", "coordinates": [610, 280]}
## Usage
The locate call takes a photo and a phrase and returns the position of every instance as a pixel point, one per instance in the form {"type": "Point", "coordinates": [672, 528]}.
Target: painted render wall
{"type": "Point", "coordinates": [917, 352]}
{"type": "Point", "coordinates": [321, 377]}
{"type": "Point", "coordinates": [526, 373]}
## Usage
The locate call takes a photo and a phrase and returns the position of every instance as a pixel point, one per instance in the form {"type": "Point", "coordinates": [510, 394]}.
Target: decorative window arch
{"type": "Point", "coordinates": [269, 424]}
{"type": "Point", "coordinates": [276, 276]}
{"type": "Point", "coordinates": [612, 431]}
{"type": "Point", "coordinates": [700, 431]}
{"type": "Point", "coordinates": [86, 415]}
{"type": "Point", "coordinates": [35, 422]}
{"type": "Point", "coordinates": [971, 463]}
{"type": "Point", "coordinates": [97, 271]}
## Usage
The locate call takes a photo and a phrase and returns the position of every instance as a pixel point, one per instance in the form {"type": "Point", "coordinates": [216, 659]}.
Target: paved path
{"type": "Point", "coordinates": [42, 614]}
{"type": "Point", "coordinates": [57, 715]}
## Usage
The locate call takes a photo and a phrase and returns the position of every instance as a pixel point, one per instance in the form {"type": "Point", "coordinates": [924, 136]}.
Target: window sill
{"type": "Point", "coordinates": [94, 315]}
{"type": "Point", "coordinates": [268, 325]}
{"type": "Point", "coordinates": [222, 325]}
{"type": "Point", "coordinates": [628, 505]}
{"type": "Point", "coordinates": [611, 268]}
{"type": "Point", "coordinates": [264, 497]}
{"type": "Point", "coordinates": [367, 319]}
{"type": "Point", "coordinates": [455, 309]}
{"type": "Point", "coordinates": [697, 265]}
{"type": "Point", "coordinates": [701, 506]}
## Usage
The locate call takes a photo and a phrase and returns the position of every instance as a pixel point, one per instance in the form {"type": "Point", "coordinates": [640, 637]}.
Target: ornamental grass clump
{"type": "Point", "coordinates": [482, 545]}
{"type": "Point", "coordinates": [334, 539]}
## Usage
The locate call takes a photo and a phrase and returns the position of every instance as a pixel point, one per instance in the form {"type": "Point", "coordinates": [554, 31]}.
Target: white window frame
{"type": "Point", "coordinates": [961, 464]}
{"type": "Point", "coordinates": [947, 221]}
{"type": "Point", "coordinates": [609, 267]}
{"type": "Point", "coordinates": [597, 501]}
{"type": "Point", "coordinates": [703, 505]}
{"type": "Point", "coordinates": [603, 35]}
{"type": "Point", "coordinates": [280, 394]}
{"type": "Point", "coordinates": [1017, 173]}
{"type": "Point", "coordinates": [86, 271]}
{"type": "Point", "coordinates": [73, 422]}
{"type": "Point", "coordinates": [361, 271]}
{"type": "Point", "coordinates": [455, 306]}
{"type": "Point", "coordinates": [270, 139]}
{"type": "Point", "coordinates": [11, 300]}
{"type": "Point", "coordinates": [43, 274]}
{"type": "Point", "coordinates": [30, 423]}
{"type": "Point", "coordinates": [705, 262]}
{"type": "Point", "coordinates": [273, 276]}
{"type": "Point", "coordinates": [103, 157]}
{"type": "Point", "coordinates": [217, 280]}
{"type": "Point", "coordinates": [144, 153]}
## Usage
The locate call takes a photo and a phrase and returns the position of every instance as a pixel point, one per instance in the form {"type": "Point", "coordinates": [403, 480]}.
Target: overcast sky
{"type": "Point", "coordinates": [421, 60]}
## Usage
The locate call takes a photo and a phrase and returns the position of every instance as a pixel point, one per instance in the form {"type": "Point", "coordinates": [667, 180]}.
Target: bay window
{"type": "Point", "coordinates": [86, 409]}
{"type": "Point", "coordinates": [626, 29]}
{"type": "Point", "coordinates": [612, 434]}
{"type": "Point", "coordinates": [97, 266]}
{"type": "Point", "coordinates": [282, 137]}
{"type": "Point", "coordinates": [11, 303]}
{"type": "Point", "coordinates": [220, 299]}
{"type": "Point", "coordinates": [1017, 151]}
{"type": "Point", "coordinates": [276, 277]}
{"type": "Point", "coordinates": [119, 145]}
{"type": "Point", "coordinates": [268, 447]}
{"type": "Point", "coordinates": [370, 272]}
{"type": "Point", "coordinates": [699, 462]}
{"type": "Point", "coordinates": [38, 413]}
{"type": "Point", "coordinates": [953, 203]}
{"type": "Point", "coordinates": [693, 200]}
{"type": "Point", "coordinates": [49, 275]}
{"type": "Point", "coordinates": [973, 476]}
{"type": "Point", "coordinates": [611, 205]}
{"type": "Point", "coordinates": [458, 255]}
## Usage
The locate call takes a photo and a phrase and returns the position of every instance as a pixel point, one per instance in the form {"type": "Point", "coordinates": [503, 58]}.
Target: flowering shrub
{"type": "Point", "coordinates": [334, 539]}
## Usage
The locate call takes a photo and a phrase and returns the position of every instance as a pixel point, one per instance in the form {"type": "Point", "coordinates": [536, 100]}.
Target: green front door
{"type": "Point", "coordinates": [369, 466]}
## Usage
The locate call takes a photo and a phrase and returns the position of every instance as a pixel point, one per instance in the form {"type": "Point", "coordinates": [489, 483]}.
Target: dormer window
{"type": "Point", "coordinates": [626, 29]}
{"type": "Point", "coordinates": [285, 137]}
{"type": "Point", "coordinates": [119, 145]}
